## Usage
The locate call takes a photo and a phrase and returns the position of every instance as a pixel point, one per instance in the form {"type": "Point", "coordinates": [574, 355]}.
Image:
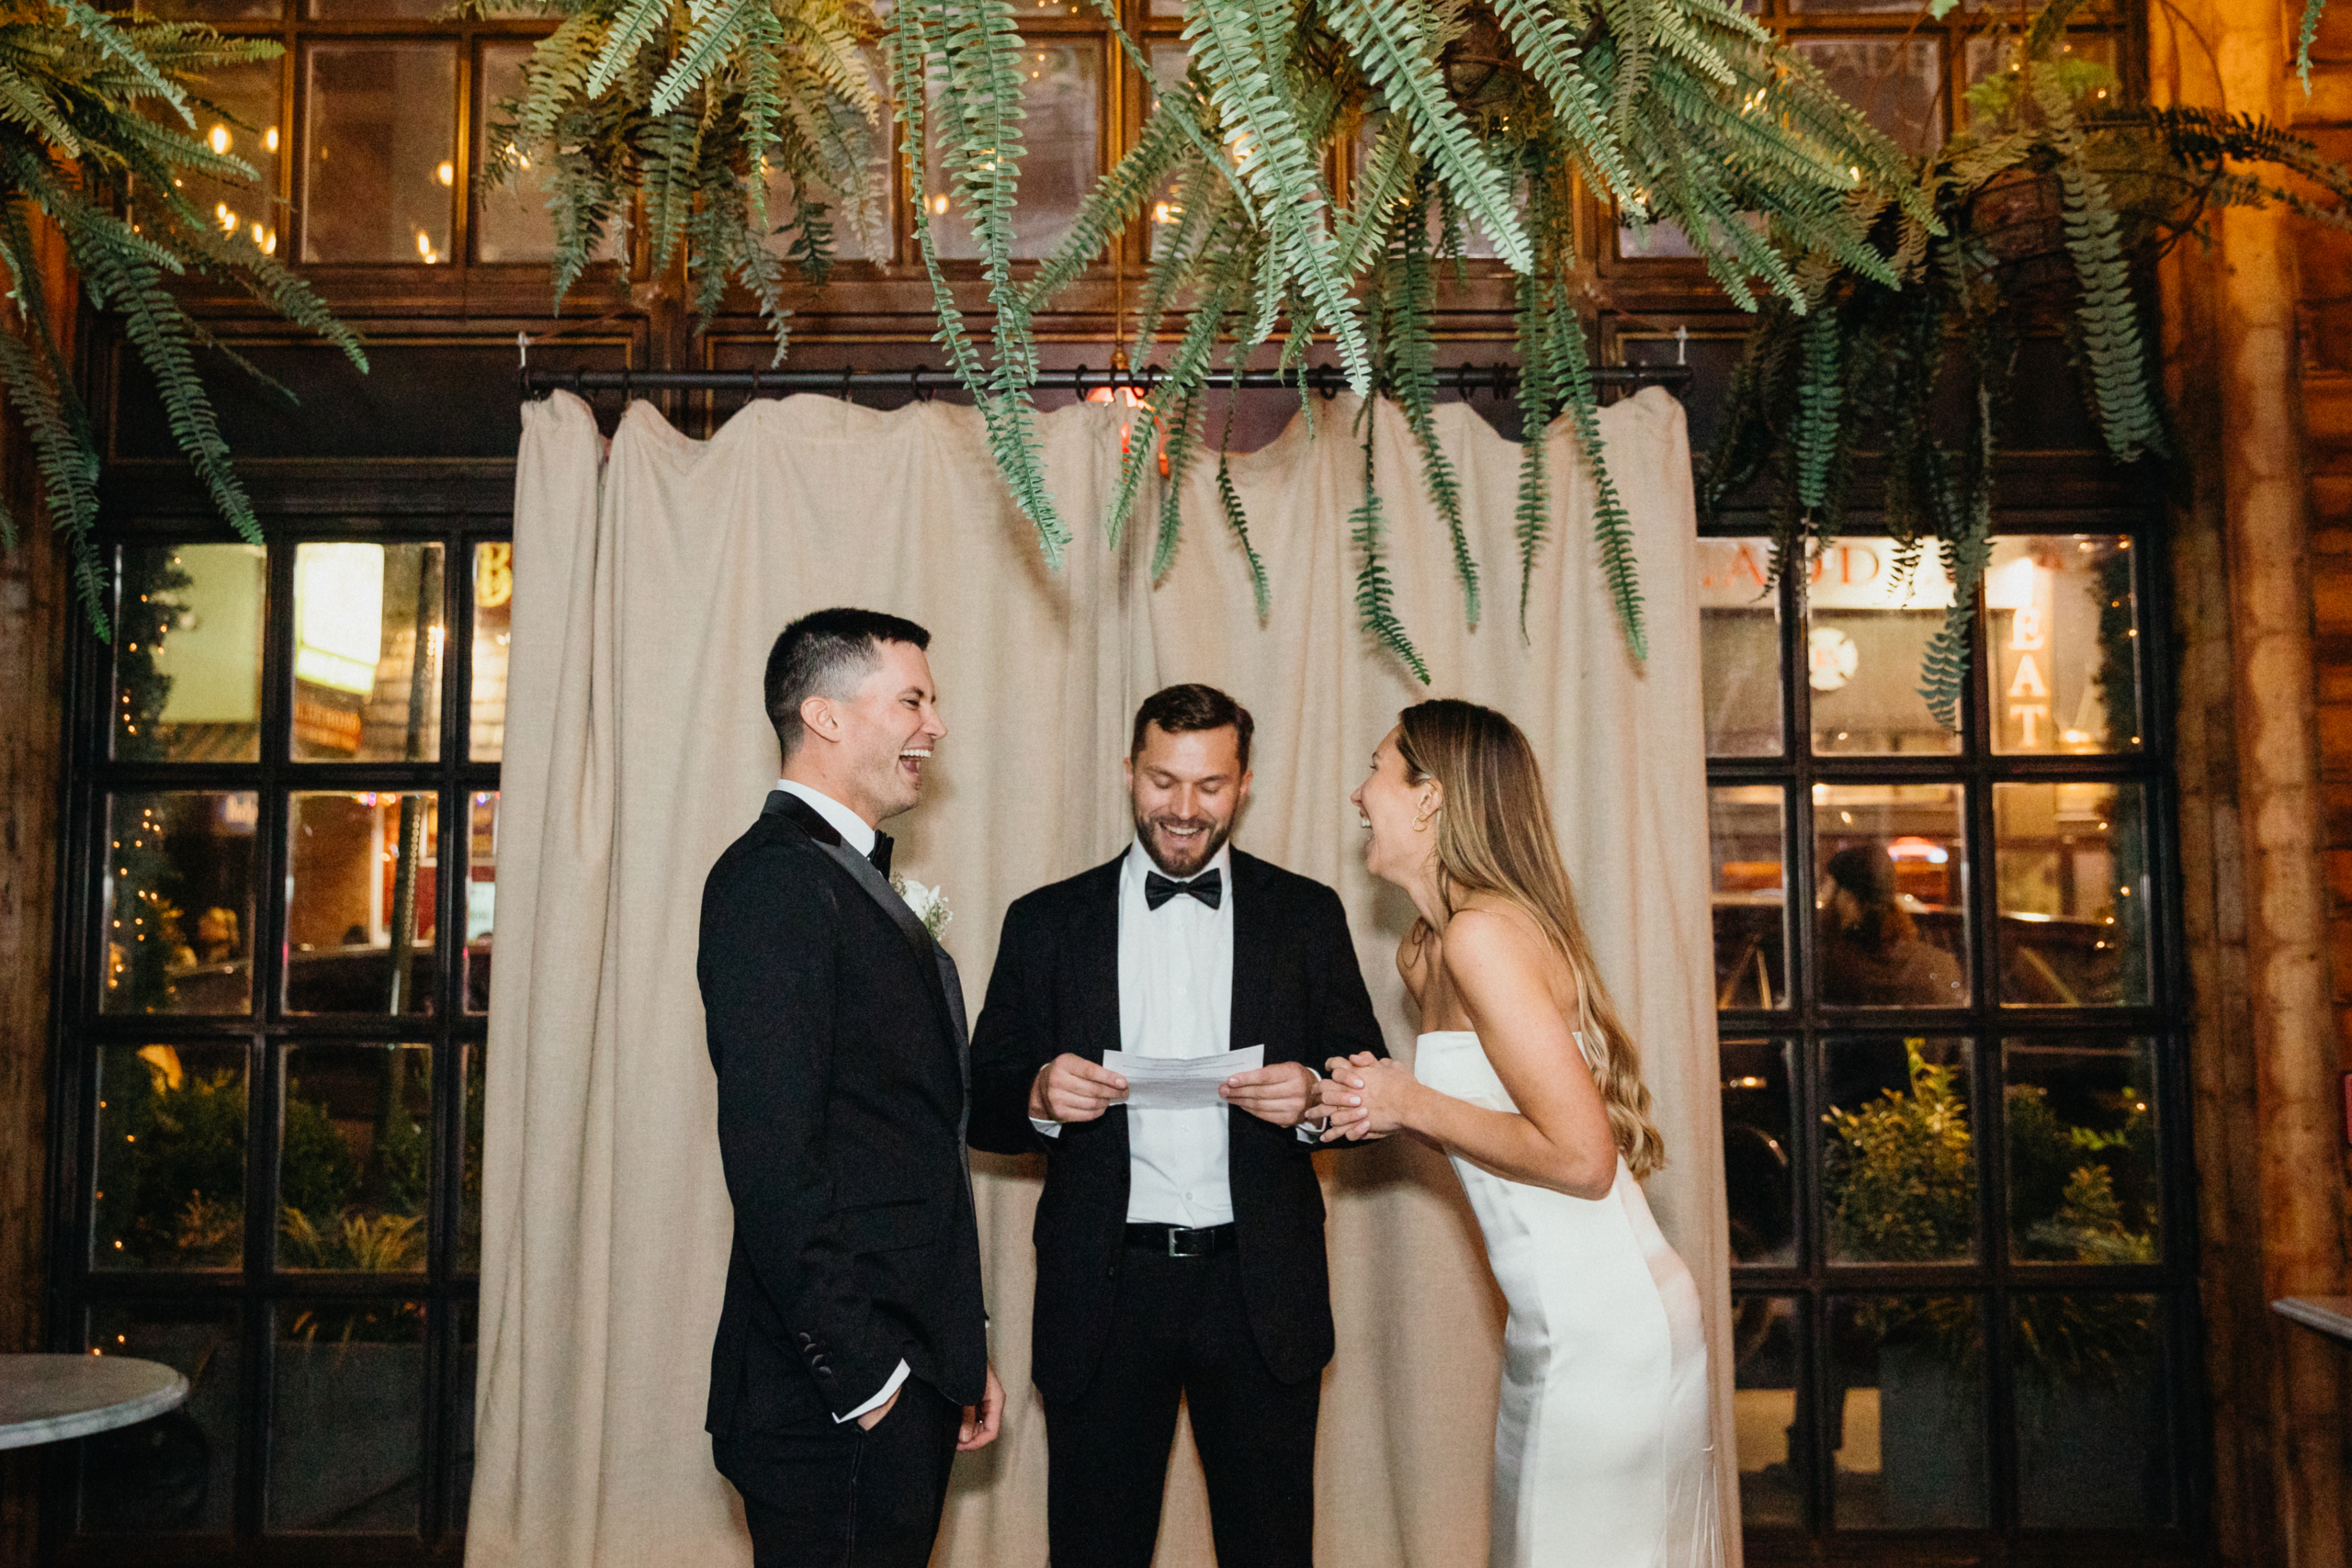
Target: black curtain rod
{"type": "Point", "coordinates": [1465, 379]}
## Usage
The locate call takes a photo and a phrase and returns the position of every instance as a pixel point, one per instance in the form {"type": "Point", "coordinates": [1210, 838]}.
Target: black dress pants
{"type": "Point", "coordinates": [1180, 1329]}
{"type": "Point", "coordinates": [838, 1496]}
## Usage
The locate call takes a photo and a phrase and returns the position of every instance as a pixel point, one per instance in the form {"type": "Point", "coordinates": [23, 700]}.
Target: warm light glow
{"type": "Point", "coordinates": [939, 203]}
{"type": "Point", "coordinates": [219, 139]}
{"type": "Point", "coordinates": [269, 139]}
{"type": "Point", "coordinates": [447, 173]}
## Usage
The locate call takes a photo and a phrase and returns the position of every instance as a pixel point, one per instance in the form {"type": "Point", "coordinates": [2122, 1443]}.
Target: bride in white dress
{"type": "Point", "coordinates": [1527, 1080]}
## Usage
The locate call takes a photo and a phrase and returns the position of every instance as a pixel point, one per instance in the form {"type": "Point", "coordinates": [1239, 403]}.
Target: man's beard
{"type": "Point", "coordinates": [1211, 841]}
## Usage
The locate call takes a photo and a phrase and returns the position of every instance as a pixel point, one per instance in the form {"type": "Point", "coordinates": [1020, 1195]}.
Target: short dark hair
{"type": "Point", "coordinates": [823, 655]}
{"type": "Point", "coordinates": [1180, 710]}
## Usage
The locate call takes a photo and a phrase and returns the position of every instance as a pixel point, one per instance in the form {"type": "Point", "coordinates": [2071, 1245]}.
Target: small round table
{"type": "Point", "coordinates": [48, 1399]}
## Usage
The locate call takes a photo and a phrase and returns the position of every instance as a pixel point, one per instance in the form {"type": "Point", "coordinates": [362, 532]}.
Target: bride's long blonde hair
{"type": "Point", "coordinates": [1495, 836]}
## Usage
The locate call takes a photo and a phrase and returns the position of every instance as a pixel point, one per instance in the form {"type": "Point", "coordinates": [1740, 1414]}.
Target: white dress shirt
{"type": "Point", "coordinates": [858, 834]}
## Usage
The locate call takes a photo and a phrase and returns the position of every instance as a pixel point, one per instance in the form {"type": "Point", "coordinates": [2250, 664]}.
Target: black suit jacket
{"type": "Point", "coordinates": [1296, 988]}
{"type": "Point", "coordinates": [837, 1033]}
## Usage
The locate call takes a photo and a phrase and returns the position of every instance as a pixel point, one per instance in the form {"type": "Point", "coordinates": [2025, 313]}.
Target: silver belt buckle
{"type": "Point", "coordinates": [1187, 1243]}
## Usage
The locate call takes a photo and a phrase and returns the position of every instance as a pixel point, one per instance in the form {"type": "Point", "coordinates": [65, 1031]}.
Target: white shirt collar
{"type": "Point", "coordinates": [854, 828]}
{"type": "Point", "coordinates": [1139, 861]}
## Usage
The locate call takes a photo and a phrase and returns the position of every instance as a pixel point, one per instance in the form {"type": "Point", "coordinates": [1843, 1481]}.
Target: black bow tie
{"type": "Point", "coordinates": [880, 854]}
{"type": "Point", "coordinates": [1208, 887]}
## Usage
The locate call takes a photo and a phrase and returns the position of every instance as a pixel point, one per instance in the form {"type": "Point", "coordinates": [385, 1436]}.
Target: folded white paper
{"type": "Point", "coordinates": [1180, 1083]}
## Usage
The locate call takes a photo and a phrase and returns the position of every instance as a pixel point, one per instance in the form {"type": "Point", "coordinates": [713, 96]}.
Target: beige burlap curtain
{"type": "Point", "coordinates": [649, 581]}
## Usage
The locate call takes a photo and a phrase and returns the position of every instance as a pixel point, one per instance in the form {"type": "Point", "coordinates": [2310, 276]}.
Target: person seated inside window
{"type": "Point", "coordinates": [1871, 955]}
{"type": "Point", "coordinates": [216, 936]}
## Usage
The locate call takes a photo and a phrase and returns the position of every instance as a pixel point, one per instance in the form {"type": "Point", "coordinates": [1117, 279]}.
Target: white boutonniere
{"type": "Point", "coordinates": [929, 903]}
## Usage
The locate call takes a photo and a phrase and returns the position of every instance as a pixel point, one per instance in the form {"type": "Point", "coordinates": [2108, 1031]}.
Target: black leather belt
{"type": "Point", "coordinates": [1181, 1240]}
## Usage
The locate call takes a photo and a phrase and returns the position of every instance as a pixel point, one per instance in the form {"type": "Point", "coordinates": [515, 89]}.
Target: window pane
{"type": "Point", "coordinates": [468, 1363]}
{"type": "Point", "coordinates": [1909, 1431]}
{"type": "Point", "coordinates": [355, 1172]}
{"type": "Point", "coordinates": [481, 898]}
{"type": "Point", "coordinates": [469, 1166]}
{"type": "Point", "coordinates": [1169, 61]}
{"type": "Point", "coordinates": [215, 10]}
{"type": "Point", "coordinates": [1750, 896]}
{"type": "Point", "coordinates": [188, 653]}
{"type": "Point", "coordinates": [1739, 647]}
{"type": "Point", "coordinates": [360, 902]}
{"type": "Point", "coordinates": [1898, 1178]}
{"type": "Point", "coordinates": [175, 1475]}
{"type": "Point", "coordinates": [2070, 862]}
{"type": "Point", "coordinates": [1062, 134]}
{"type": "Point", "coordinates": [1983, 56]}
{"type": "Point", "coordinates": [2063, 629]}
{"type": "Point", "coordinates": [178, 902]}
{"type": "Point", "coordinates": [170, 1166]}
{"type": "Point", "coordinates": [242, 122]}
{"type": "Point", "coordinates": [1868, 623]}
{"type": "Point", "coordinates": [377, 180]}
{"type": "Point", "coordinates": [347, 1417]}
{"type": "Point", "coordinates": [862, 231]}
{"type": "Point", "coordinates": [1890, 881]}
{"type": "Point", "coordinates": [360, 696]}
{"type": "Point", "coordinates": [1766, 1394]}
{"type": "Point", "coordinates": [2081, 1125]}
{"type": "Point", "coordinates": [512, 222]}
{"type": "Point", "coordinates": [493, 632]}
{"type": "Point", "coordinates": [1759, 1123]}
{"type": "Point", "coordinates": [2090, 1404]}
{"type": "Point", "coordinates": [1898, 83]}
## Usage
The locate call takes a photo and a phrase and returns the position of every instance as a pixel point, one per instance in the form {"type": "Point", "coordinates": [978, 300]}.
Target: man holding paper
{"type": "Point", "coordinates": [1151, 1025]}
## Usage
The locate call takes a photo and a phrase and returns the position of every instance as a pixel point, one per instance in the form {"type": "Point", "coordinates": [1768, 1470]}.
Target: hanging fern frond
{"type": "Point", "coordinates": [1229, 502]}
{"type": "Point", "coordinates": [1410, 341]}
{"type": "Point", "coordinates": [1375, 595]}
{"type": "Point", "coordinates": [1612, 529]}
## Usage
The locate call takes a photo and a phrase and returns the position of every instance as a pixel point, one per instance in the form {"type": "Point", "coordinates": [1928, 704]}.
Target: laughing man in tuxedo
{"type": "Point", "coordinates": [851, 1364]}
{"type": "Point", "coordinates": [1179, 1252]}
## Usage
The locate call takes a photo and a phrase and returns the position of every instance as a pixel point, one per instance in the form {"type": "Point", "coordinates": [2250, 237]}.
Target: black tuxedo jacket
{"type": "Point", "coordinates": [1296, 988]}
{"type": "Point", "coordinates": [837, 1031]}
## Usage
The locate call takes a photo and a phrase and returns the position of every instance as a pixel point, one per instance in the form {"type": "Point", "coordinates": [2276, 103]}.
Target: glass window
{"type": "Point", "coordinates": [1898, 1181]}
{"type": "Point", "coordinates": [177, 903]}
{"type": "Point", "coordinates": [1752, 899]}
{"type": "Point", "coordinates": [188, 653]}
{"type": "Point", "coordinates": [379, 180]}
{"type": "Point", "coordinates": [2062, 624]}
{"type": "Point", "coordinates": [1766, 1385]}
{"type": "Point", "coordinates": [2071, 864]}
{"type": "Point", "coordinates": [1760, 1126]}
{"type": "Point", "coordinates": [1907, 1427]}
{"type": "Point", "coordinates": [175, 1475]}
{"type": "Point", "coordinates": [239, 117]}
{"type": "Point", "coordinates": [1739, 647]}
{"type": "Point", "coordinates": [860, 230]}
{"type": "Point", "coordinates": [1063, 135]}
{"type": "Point", "coordinates": [493, 631]}
{"type": "Point", "coordinates": [1871, 610]}
{"type": "Point", "coordinates": [1169, 61]}
{"type": "Point", "coordinates": [354, 1164]}
{"type": "Point", "coordinates": [1984, 55]}
{"type": "Point", "coordinates": [470, 1165]}
{"type": "Point", "coordinates": [215, 10]}
{"type": "Point", "coordinates": [2090, 1411]}
{"type": "Point", "coordinates": [346, 1418]}
{"type": "Point", "coordinates": [1898, 83]}
{"type": "Point", "coordinates": [169, 1189]}
{"type": "Point", "coordinates": [2081, 1125]}
{"type": "Point", "coordinates": [481, 898]}
{"type": "Point", "coordinates": [1890, 886]}
{"type": "Point", "coordinates": [361, 870]}
{"type": "Point", "coordinates": [361, 695]}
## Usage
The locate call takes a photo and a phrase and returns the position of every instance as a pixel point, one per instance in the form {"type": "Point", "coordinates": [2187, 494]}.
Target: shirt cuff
{"type": "Point", "coordinates": [1046, 1129]}
{"type": "Point", "coordinates": [1312, 1132]}
{"type": "Point", "coordinates": [879, 1400]}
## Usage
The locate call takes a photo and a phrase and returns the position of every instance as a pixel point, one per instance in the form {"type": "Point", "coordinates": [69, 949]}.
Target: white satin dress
{"type": "Point", "coordinates": [1602, 1450]}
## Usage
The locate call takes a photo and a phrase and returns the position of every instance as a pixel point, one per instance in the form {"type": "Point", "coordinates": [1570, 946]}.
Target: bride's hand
{"type": "Point", "coordinates": [1365, 1096]}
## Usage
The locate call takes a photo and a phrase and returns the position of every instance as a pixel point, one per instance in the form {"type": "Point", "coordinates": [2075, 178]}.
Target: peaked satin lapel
{"type": "Point", "coordinates": [1253, 935]}
{"type": "Point", "coordinates": [936, 964]}
{"type": "Point", "coordinates": [1094, 961]}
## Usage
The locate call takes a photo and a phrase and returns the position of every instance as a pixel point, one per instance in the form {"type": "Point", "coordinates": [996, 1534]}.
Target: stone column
{"type": "Point", "coordinates": [2270, 1120]}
